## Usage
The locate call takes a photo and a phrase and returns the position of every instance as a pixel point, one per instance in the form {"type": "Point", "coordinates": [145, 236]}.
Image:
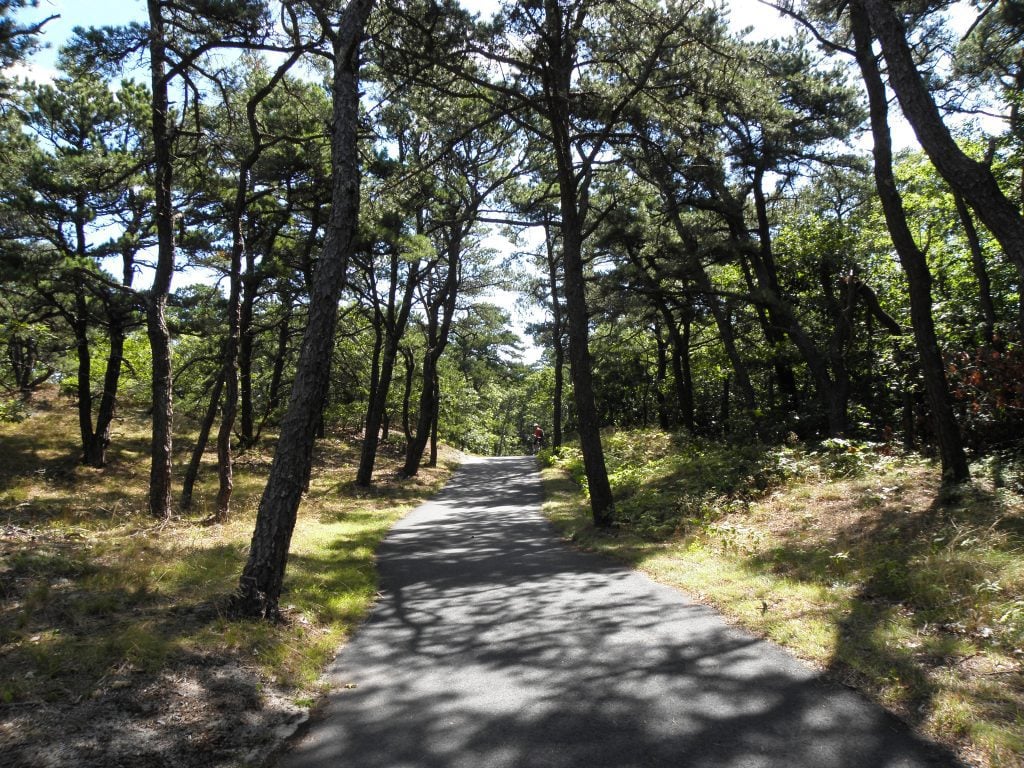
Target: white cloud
{"type": "Point", "coordinates": [36, 73]}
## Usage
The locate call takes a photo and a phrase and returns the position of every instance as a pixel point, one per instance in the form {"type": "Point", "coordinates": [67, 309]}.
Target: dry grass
{"type": "Point", "coordinates": [908, 593]}
{"type": "Point", "coordinates": [94, 591]}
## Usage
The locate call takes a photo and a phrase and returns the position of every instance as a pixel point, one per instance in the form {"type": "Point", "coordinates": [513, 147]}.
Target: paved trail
{"type": "Point", "coordinates": [496, 646]}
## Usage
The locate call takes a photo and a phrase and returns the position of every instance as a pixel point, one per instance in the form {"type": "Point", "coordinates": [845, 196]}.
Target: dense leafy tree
{"type": "Point", "coordinates": [79, 182]}
{"type": "Point", "coordinates": [696, 217]}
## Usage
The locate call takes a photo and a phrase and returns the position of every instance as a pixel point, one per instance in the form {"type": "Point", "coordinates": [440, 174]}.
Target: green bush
{"type": "Point", "coordinates": [13, 410]}
{"type": "Point", "coordinates": [849, 458]}
{"type": "Point", "coordinates": [571, 460]}
{"type": "Point", "coordinates": [546, 457]}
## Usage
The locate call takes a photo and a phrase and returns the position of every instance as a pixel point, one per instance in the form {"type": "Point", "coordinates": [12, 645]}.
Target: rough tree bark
{"type": "Point", "coordinates": [558, 75]}
{"type": "Point", "coordinates": [966, 176]}
{"type": "Point", "coordinates": [980, 269]}
{"type": "Point", "coordinates": [556, 340]}
{"type": "Point", "coordinates": [394, 320]}
{"type": "Point", "coordinates": [259, 588]}
{"type": "Point", "coordinates": [156, 299]}
{"type": "Point", "coordinates": [915, 265]}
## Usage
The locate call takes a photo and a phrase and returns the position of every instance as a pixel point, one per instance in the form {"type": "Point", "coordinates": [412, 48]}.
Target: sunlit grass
{"type": "Point", "coordinates": [92, 587]}
{"type": "Point", "coordinates": [878, 577]}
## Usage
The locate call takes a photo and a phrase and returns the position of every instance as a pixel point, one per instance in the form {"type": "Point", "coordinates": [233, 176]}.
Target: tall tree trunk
{"type": "Point", "coordinates": [397, 318]}
{"type": "Point", "coordinates": [260, 584]}
{"type": "Point", "coordinates": [966, 176]}
{"type": "Point", "coordinates": [660, 375]}
{"type": "Point", "coordinates": [438, 329]}
{"type": "Point", "coordinates": [588, 420]}
{"type": "Point", "coordinates": [988, 309]}
{"type": "Point", "coordinates": [205, 427]}
{"type": "Point", "coordinates": [229, 375]}
{"type": "Point", "coordinates": [915, 265]}
{"type": "Point", "coordinates": [432, 459]}
{"type": "Point", "coordinates": [156, 300]}
{"type": "Point", "coordinates": [783, 371]}
{"type": "Point", "coordinates": [410, 373]}
{"type": "Point", "coordinates": [559, 87]}
{"type": "Point", "coordinates": [556, 341]}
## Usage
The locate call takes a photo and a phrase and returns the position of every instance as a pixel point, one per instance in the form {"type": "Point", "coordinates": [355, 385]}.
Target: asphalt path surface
{"type": "Point", "coordinates": [495, 645]}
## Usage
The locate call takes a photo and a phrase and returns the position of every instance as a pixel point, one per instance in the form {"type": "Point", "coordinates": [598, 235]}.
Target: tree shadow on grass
{"type": "Point", "coordinates": [908, 571]}
{"type": "Point", "coordinates": [67, 618]}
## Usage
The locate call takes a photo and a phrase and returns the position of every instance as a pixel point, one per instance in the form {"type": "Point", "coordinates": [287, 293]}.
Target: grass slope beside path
{"type": "Point", "coordinates": [849, 555]}
{"type": "Point", "coordinates": [113, 648]}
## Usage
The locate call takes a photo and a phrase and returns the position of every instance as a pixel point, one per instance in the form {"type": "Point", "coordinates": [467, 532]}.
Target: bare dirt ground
{"type": "Point", "coordinates": [202, 711]}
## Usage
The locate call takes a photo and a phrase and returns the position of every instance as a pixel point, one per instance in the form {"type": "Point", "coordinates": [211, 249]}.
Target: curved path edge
{"type": "Point", "coordinates": [496, 645]}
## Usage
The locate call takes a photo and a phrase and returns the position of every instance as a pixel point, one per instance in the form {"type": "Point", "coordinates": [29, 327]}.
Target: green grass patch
{"type": "Point", "coordinates": [848, 554]}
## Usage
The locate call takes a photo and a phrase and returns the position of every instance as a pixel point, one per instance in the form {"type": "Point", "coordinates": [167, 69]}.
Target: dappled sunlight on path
{"type": "Point", "coordinates": [494, 644]}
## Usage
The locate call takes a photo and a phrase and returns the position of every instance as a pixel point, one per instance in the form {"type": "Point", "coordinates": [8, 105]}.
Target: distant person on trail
{"type": "Point", "coordinates": [538, 438]}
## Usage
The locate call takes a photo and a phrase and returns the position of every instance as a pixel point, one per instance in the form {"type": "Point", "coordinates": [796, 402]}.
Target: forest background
{"type": "Point", "coordinates": [741, 292]}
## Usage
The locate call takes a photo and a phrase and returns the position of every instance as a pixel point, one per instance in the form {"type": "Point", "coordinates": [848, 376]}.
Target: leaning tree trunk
{"type": "Point", "coordinates": [947, 432]}
{"type": "Point", "coordinates": [192, 470]}
{"type": "Point", "coordinates": [394, 330]}
{"type": "Point", "coordinates": [259, 588]}
{"type": "Point", "coordinates": [966, 176]}
{"type": "Point", "coordinates": [988, 309]}
{"type": "Point", "coordinates": [437, 341]}
{"type": "Point", "coordinates": [96, 453]}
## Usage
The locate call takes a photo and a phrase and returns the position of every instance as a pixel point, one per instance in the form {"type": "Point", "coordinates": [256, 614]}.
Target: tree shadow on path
{"type": "Point", "coordinates": [496, 645]}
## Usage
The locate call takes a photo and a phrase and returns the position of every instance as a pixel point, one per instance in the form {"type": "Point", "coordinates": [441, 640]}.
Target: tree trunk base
{"type": "Point", "coordinates": [250, 603]}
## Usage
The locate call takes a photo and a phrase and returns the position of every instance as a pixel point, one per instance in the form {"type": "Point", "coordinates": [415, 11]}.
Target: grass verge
{"type": "Point", "coordinates": [853, 559]}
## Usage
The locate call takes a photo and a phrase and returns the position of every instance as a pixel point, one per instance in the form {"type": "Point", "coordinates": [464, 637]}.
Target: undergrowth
{"type": "Point", "coordinates": [849, 553]}
{"type": "Point", "coordinates": [92, 588]}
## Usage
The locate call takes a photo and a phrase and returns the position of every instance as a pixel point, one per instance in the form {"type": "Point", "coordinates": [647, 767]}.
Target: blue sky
{"type": "Point", "coordinates": [96, 13]}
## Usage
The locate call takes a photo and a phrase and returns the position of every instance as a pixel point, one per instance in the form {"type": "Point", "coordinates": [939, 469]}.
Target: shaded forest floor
{"type": "Point", "coordinates": [848, 554]}
{"type": "Point", "coordinates": [113, 646]}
